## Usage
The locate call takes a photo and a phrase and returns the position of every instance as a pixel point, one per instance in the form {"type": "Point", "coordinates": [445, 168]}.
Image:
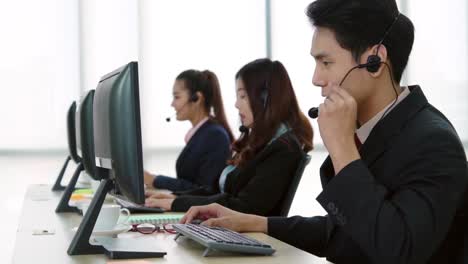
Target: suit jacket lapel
{"type": "Point", "coordinates": [188, 146]}
{"type": "Point", "coordinates": [381, 136]}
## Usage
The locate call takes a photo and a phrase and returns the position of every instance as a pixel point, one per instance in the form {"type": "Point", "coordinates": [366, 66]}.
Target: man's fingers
{"type": "Point", "coordinates": [345, 95]}
{"type": "Point", "coordinates": [214, 222]}
{"type": "Point", "coordinates": [190, 215]}
{"type": "Point", "coordinates": [202, 212]}
{"type": "Point", "coordinates": [209, 222]}
{"type": "Point", "coordinates": [334, 99]}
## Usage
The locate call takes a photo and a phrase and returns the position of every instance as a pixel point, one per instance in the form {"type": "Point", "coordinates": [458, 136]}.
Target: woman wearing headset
{"type": "Point", "coordinates": [197, 98]}
{"type": "Point", "coordinates": [275, 135]}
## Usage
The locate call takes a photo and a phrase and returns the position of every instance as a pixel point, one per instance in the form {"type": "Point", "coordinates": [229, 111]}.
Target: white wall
{"type": "Point", "coordinates": [108, 38]}
{"type": "Point", "coordinates": [182, 34]}
{"type": "Point", "coordinates": [439, 62]}
{"type": "Point", "coordinates": [52, 51]}
{"type": "Point", "coordinates": [39, 72]}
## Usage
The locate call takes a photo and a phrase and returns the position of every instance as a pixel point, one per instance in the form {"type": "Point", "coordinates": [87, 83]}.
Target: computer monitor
{"type": "Point", "coordinates": [72, 153]}
{"type": "Point", "coordinates": [78, 128]}
{"type": "Point", "coordinates": [85, 135]}
{"type": "Point", "coordinates": [119, 160]}
{"type": "Point", "coordinates": [117, 131]}
{"type": "Point", "coordinates": [84, 149]}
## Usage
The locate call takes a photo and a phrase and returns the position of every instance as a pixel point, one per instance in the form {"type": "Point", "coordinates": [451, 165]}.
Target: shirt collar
{"type": "Point", "coordinates": [283, 128]}
{"type": "Point", "coordinates": [364, 131]}
{"type": "Point", "coordinates": [194, 129]}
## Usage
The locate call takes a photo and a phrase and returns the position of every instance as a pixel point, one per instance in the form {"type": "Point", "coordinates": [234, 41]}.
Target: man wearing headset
{"type": "Point", "coordinates": [395, 179]}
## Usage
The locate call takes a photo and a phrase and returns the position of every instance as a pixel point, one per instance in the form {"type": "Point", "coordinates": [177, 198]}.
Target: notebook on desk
{"type": "Point", "coordinates": [157, 219]}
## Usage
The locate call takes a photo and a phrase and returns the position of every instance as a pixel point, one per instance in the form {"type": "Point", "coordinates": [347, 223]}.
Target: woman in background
{"type": "Point", "coordinates": [274, 137]}
{"type": "Point", "coordinates": [197, 98]}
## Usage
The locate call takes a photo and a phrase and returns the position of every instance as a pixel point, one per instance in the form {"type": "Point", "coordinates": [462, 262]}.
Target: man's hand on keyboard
{"type": "Point", "coordinates": [220, 216]}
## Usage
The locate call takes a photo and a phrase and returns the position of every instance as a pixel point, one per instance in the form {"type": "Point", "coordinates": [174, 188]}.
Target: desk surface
{"type": "Point", "coordinates": [38, 213]}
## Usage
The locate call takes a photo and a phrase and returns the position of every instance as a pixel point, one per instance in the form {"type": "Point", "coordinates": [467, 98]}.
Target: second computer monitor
{"type": "Point", "coordinates": [85, 134]}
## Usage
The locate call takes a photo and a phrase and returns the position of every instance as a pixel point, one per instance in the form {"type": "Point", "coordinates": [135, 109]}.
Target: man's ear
{"type": "Point", "coordinates": [380, 51]}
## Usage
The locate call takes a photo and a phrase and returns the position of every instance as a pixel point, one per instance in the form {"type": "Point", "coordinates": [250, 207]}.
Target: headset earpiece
{"type": "Point", "coordinates": [264, 97]}
{"type": "Point", "coordinates": [373, 63]}
{"type": "Point", "coordinates": [266, 87]}
{"type": "Point", "coordinates": [194, 97]}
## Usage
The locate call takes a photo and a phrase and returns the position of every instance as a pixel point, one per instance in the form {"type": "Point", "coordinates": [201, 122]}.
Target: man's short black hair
{"type": "Point", "coordinates": [361, 24]}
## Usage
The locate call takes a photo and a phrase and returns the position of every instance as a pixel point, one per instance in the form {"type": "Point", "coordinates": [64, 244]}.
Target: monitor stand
{"type": "Point", "coordinates": [63, 206]}
{"type": "Point", "coordinates": [114, 248]}
{"type": "Point", "coordinates": [57, 185]}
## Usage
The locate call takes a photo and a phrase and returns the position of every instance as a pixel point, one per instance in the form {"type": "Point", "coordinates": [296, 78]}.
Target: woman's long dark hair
{"type": "Point", "coordinates": [273, 102]}
{"type": "Point", "coordinates": [207, 84]}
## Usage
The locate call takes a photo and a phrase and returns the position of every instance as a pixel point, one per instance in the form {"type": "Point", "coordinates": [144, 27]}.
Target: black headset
{"type": "Point", "coordinates": [373, 61]}
{"type": "Point", "coordinates": [265, 93]}
{"type": "Point", "coordinates": [372, 65]}
{"type": "Point", "coordinates": [193, 97]}
{"type": "Point", "coordinates": [263, 96]}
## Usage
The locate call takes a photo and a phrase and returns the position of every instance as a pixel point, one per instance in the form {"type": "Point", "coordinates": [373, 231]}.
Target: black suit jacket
{"type": "Point", "coordinates": [201, 161]}
{"type": "Point", "coordinates": [396, 204]}
{"type": "Point", "coordinates": [260, 186]}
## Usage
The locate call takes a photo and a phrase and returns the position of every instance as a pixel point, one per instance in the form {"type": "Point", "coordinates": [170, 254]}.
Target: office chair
{"type": "Point", "coordinates": [289, 196]}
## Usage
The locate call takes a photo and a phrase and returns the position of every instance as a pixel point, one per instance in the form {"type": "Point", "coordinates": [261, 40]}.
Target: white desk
{"type": "Point", "coordinates": [38, 212]}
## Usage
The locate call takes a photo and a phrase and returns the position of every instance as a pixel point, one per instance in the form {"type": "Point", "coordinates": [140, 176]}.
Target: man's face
{"type": "Point", "coordinates": [332, 64]}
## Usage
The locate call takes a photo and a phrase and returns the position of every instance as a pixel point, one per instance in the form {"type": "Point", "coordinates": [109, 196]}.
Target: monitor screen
{"type": "Point", "coordinates": [78, 129]}
{"type": "Point", "coordinates": [101, 120]}
{"type": "Point", "coordinates": [85, 134]}
{"type": "Point", "coordinates": [71, 132]}
{"type": "Point", "coordinates": [117, 131]}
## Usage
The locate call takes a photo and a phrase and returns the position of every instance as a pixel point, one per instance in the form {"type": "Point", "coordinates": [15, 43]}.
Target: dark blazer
{"type": "Point", "coordinates": [397, 203]}
{"type": "Point", "coordinates": [259, 186]}
{"type": "Point", "coordinates": [201, 162]}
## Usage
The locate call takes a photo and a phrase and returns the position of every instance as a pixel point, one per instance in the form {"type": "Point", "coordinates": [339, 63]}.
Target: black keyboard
{"type": "Point", "coordinates": [137, 208]}
{"type": "Point", "coordinates": [222, 239]}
